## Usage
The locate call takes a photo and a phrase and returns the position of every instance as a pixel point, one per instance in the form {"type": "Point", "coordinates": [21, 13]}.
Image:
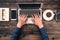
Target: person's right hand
{"type": "Point", "coordinates": [21, 20]}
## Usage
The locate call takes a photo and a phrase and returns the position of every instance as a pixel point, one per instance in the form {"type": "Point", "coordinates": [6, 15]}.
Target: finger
{"type": "Point", "coordinates": [40, 17]}
{"type": "Point", "coordinates": [20, 15]}
{"type": "Point", "coordinates": [33, 20]}
{"type": "Point", "coordinates": [35, 15]}
{"type": "Point", "coordinates": [25, 20]}
{"type": "Point", "coordinates": [23, 15]}
{"type": "Point", "coordinates": [26, 15]}
{"type": "Point", "coordinates": [38, 14]}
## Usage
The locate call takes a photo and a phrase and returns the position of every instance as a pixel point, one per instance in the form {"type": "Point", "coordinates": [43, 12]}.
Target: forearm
{"type": "Point", "coordinates": [16, 33]}
{"type": "Point", "coordinates": [43, 33]}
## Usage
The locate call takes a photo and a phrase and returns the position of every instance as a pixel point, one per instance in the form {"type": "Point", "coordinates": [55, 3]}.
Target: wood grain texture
{"type": "Point", "coordinates": [30, 33]}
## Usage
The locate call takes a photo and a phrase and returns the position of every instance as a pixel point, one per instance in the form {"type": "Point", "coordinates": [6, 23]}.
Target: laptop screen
{"type": "Point", "coordinates": [29, 6]}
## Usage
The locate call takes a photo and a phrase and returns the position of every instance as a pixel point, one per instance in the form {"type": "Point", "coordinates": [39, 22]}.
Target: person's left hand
{"type": "Point", "coordinates": [37, 20]}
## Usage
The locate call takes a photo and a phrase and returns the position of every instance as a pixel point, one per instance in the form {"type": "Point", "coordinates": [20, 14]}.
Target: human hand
{"type": "Point", "coordinates": [21, 20]}
{"type": "Point", "coordinates": [37, 20]}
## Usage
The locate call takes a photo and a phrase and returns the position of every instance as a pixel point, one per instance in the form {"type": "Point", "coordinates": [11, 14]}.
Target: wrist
{"type": "Point", "coordinates": [41, 26]}
{"type": "Point", "coordinates": [19, 25]}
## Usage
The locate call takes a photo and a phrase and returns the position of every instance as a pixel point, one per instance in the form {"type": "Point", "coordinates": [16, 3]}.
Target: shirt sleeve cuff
{"type": "Point", "coordinates": [17, 30]}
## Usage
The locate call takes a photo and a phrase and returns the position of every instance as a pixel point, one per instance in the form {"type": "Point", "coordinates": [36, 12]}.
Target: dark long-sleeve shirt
{"type": "Point", "coordinates": [17, 31]}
